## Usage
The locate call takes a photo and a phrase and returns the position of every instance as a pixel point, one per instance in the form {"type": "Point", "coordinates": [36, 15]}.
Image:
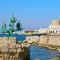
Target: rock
{"type": "Point", "coordinates": [32, 39]}
{"type": "Point", "coordinates": [58, 58]}
{"type": "Point", "coordinates": [11, 50]}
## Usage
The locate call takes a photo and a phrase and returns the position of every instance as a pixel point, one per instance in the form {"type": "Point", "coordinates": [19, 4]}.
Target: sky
{"type": "Point", "coordinates": [33, 14]}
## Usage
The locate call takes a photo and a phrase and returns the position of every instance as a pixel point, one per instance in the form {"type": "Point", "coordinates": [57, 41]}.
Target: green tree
{"type": "Point", "coordinates": [19, 26]}
{"type": "Point", "coordinates": [4, 30]}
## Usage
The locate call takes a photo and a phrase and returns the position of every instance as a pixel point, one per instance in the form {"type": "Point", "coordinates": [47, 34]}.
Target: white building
{"type": "Point", "coordinates": [54, 28]}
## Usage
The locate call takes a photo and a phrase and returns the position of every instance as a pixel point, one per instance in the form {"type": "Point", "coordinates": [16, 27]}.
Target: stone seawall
{"type": "Point", "coordinates": [54, 40]}
{"type": "Point", "coordinates": [43, 40]}
{"type": "Point", "coordinates": [51, 41]}
{"type": "Point", "coordinates": [10, 49]}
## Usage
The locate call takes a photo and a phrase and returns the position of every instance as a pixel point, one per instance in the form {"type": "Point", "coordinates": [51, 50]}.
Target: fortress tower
{"type": "Point", "coordinates": [56, 22]}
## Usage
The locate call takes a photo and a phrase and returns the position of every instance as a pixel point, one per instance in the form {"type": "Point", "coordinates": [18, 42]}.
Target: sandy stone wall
{"type": "Point", "coordinates": [52, 39]}
{"type": "Point", "coordinates": [43, 40]}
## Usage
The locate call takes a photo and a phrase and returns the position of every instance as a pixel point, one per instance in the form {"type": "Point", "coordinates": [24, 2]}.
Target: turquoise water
{"type": "Point", "coordinates": [36, 53]}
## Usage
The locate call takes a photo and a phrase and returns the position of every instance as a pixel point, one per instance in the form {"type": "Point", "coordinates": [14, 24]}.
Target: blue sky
{"type": "Point", "coordinates": [33, 14]}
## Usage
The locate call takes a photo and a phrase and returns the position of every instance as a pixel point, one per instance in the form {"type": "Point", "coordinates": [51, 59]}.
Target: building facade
{"type": "Point", "coordinates": [53, 28]}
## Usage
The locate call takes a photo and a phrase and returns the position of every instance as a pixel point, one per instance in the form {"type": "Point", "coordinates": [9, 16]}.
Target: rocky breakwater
{"type": "Point", "coordinates": [11, 49]}
{"type": "Point", "coordinates": [51, 41]}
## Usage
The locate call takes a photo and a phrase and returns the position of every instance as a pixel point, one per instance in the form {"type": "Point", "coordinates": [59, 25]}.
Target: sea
{"type": "Point", "coordinates": [36, 53]}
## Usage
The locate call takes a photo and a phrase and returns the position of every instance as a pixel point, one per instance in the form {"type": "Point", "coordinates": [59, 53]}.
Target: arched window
{"type": "Point", "coordinates": [51, 31]}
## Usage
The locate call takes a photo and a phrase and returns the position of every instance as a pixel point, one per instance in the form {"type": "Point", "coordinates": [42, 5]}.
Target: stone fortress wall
{"type": "Point", "coordinates": [49, 39]}
{"type": "Point", "coordinates": [54, 40]}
